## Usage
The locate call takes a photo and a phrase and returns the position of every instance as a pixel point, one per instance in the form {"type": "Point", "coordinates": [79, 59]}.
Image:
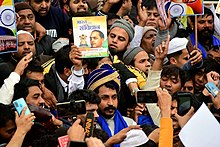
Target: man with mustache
{"type": "Point", "coordinates": [27, 22]}
{"type": "Point", "coordinates": [106, 83]}
{"type": "Point", "coordinates": [205, 28]}
{"type": "Point", "coordinates": [53, 19]}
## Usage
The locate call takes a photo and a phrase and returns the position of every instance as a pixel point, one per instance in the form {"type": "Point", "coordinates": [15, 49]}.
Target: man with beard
{"type": "Point", "coordinates": [119, 38]}
{"type": "Point", "coordinates": [27, 22]}
{"type": "Point", "coordinates": [205, 28]}
{"type": "Point", "coordinates": [53, 19]}
{"type": "Point", "coordinates": [106, 83]}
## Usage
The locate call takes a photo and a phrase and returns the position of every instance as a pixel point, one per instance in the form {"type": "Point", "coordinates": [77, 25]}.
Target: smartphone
{"type": "Point", "coordinates": [77, 144]}
{"type": "Point", "coordinates": [89, 124]}
{"type": "Point", "coordinates": [72, 108]}
{"type": "Point", "coordinates": [146, 96]}
{"type": "Point", "coordinates": [190, 48]}
{"type": "Point", "coordinates": [184, 102]}
{"type": "Point", "coordinates": [210, 86]}
{"type": "Point", "coordinates": [19, 105]}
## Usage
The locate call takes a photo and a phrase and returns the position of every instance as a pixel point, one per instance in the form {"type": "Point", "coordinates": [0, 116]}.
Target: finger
{"type": "Point", "coordinates": [16, 115]}
{"type": "Point", "coordinates": [23, 111]}
{"type": "Point", "coordinates": [190, 112]}
{"type": "Point", "coordinates": [177, 116]}
{"type": "Point", "coordinates": [168, 41]}
{"type": "Point", "coordinates": [133, 127]}
{"type": "Point", "coordinates": [77, 122]}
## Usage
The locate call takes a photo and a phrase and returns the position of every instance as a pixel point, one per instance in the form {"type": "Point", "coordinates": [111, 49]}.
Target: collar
{"type": "Point", "coordinates": [64, 84]}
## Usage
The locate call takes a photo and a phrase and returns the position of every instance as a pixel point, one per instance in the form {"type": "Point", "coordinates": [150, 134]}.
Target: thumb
{"type": "Point", "coordinates": [77, 122]}
{"type": "Point", "coordinates": [178, 117]}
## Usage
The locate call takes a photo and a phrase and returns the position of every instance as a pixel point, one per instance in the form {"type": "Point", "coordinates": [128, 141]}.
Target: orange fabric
{"type": "Point", "coordinates": [166, 132]}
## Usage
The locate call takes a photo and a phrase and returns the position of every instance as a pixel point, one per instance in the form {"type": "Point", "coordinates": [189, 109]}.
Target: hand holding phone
{"type": "Point", "coordinates": [19, 105]}
{"type": "Point", "coordinates": [210, 86]}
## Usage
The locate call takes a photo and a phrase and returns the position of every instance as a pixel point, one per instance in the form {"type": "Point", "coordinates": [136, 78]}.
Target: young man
{"type": "Point", "coordinates": [66, 75]}
{"type": "Point", "coordinates": [106, 83]}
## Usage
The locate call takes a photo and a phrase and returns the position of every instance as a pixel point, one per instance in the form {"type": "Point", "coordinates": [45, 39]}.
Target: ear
{"type": "Point", "coordinates": [173, 60]}
{"type": "Point", "coordinates": [128, 46]}
{"type": "Point", "coordinates": [67, 72]}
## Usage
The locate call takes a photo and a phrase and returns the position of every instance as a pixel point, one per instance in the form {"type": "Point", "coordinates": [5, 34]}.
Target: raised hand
{"type": "Point", "coordinates": [168, 23]}
{"type": "Point", "coordinates": [162, 49]}
{"type": "Point", "coordinates": [23, 63]}
{"type": "Point", "coordinates": [76, 131]}
{"type": "Point", "coordinates": [24, 122]}
{"type": "Point", "coordinates": [142, 14]}
{"type": "Point", "coordinates": [75, 56]}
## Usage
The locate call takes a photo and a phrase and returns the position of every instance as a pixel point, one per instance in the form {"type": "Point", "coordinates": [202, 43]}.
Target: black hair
{"type": "Point", "coordinates": [33, 67]}
{"type": "Point", "coordinates": [175, 54]}
{"type": "Point", "coordinates": [62, 59]}
{"type": "Point", "coordinates": [100, 134]}
{"type": "Point", "coordinates": [21, 88]}
{"type": "Point", "coordinates": [100, 33]}
{"type": "Point", "coordinates": [172, 70]}
{"type": "Point", "coordinates": [149, 4]}
{"type": "Point", "coordinates": [207, 12]}
{"type": "Point", "coordinates": [6, 114]}
{"type": "Point", "coordinates": [85, 94]}
{"type": "Point", "coordinates": [112, 16]}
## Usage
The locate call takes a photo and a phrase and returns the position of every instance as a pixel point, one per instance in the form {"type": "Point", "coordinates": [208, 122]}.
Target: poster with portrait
{"type": "Point", "coordinates": [184, 7]}
{"type": "Point", "coordinates": [7, 27]}
{"type": "Point", "coordinates": [90, 35]}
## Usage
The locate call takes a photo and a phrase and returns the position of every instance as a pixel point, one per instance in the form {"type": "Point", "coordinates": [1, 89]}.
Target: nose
{"type": "Point", "coordinates": [96, 115]}
{"type": "Point", "coordinates": [200, 78]}
{"type": "Point", "coordinates": [43, 4]}
{"type": "Point", "coordinates": [151, 16]}
{"type": "Point", "coordinates": [110, 101]}
{"type": "Point", "coordinates": [148, 64]}
{"type": "Point", "coordinates": [168, 83]}
{"type": "Point", "coordinates": [173, 111]}
{"type": "Point", "coordinates": [26, 46]}
{"type": "Point", "coordinates": [27, 20]}
{"type": "Point", "coordinates": [114, 40]}
{"type": "Point", "coordinates": [41, 100]}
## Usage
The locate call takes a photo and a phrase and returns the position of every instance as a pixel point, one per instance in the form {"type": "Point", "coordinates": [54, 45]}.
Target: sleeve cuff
{"type": "Point", "coordinates": [131, 80]}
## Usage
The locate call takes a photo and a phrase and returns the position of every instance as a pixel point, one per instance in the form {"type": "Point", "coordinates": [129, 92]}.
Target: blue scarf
{"type": "Point", "coordinates": [215, 42]}
{"type": "Point", "coordinates": [118, 121]}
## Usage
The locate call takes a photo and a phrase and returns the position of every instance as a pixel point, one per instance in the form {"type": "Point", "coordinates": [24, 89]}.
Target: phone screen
{"type": "Point", "coordinates": [146, 96]}
{"type": "Point", "coordinates": [184, 102]}
{"type": "Point", "coordinates": [69, 109]}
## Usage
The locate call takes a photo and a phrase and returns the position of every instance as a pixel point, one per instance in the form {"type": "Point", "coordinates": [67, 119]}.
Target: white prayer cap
{"type": "Point", "coordinates": [177, 44]}
{"type": "Point", "coordinates": [134, 137]}
{"type": "Point", "coordinates": [24, 32]}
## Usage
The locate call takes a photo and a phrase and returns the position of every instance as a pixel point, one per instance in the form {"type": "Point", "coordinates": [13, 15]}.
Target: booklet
{"type": "Point", "coordinates": [90, 35]}
{"type": "Point", "coordinates": [7, 27]}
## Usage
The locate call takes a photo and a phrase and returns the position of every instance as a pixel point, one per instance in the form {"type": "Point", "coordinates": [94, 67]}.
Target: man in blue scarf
{"type": "Point", "coordinates": [205, 27]}
{"type": "Point", "coordinates": [106, 83]}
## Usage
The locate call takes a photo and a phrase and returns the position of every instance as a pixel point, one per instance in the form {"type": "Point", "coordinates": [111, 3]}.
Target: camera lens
{"type": "Point", "coordinates": [16, 104]}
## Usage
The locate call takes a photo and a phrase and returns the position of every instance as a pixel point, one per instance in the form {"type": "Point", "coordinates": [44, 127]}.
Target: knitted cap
{"type": "Point", "coordinates": [177, 44]}
{"type": "Point", "coordinates": [103, 75]}
{"type": "Point", "coordinates": [148, 28]}
{"type": "Point", "coordinates": [22, 6]}
{"type": "Point", "coordinates": [122, 23]}
{"type": "Point", "coordinates": [130, 54]}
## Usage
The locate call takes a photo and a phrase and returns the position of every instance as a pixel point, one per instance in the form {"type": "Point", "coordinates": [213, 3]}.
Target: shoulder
{"type": "Point", "coordinates": [129, 121]}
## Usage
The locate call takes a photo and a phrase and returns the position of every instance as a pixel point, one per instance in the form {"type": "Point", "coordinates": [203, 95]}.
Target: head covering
{"type": "Point", "coordinates": [177, 44]}
{"type": "Point", "coordinates": [22, 6]}
{"type": "Point", "coordinates": [148, 28]}
{"type": "Point", "coordinates": [24, 32]}
{"type": "Point", "coordinates": [103, 75]}
{"type": "Point", "coordinates": [122, 23]}
{"type": "Point", "coordinates": [130, 54]}
{"type": "Point", "coordinates": [59, 43]}
{"type": "Point", "coordinates": [134, 137]}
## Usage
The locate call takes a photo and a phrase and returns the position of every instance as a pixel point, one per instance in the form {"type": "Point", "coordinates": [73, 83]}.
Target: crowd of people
{"type": "Point", "coordinates": [144, 54]}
